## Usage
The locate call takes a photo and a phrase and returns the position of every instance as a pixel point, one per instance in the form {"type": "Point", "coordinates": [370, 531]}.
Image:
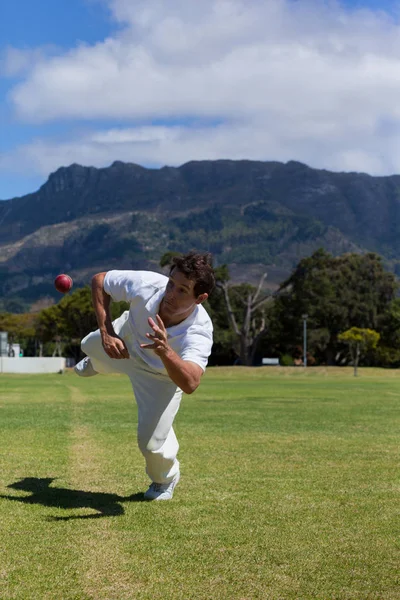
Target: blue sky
{"type": "Point", "coordinates": [46, 23]}
{"type": "Point", "coordinates": [92, 81]}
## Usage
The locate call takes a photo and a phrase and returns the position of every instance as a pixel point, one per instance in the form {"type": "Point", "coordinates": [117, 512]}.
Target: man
{"type": "Point", "coordinates": [162, 343]}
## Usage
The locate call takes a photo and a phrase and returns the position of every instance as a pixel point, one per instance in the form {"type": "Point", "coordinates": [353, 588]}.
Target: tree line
{"type": "Point", "coordinates": [342, 296]}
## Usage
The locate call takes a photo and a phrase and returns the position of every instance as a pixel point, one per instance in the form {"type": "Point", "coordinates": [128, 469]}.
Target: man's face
{"type": "Point", "coordinates": [179, 298]}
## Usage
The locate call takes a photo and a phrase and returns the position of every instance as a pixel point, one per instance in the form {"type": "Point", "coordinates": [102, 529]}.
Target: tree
{"type": "Point", "coordinates": [359, 340]}
{"type": "Point", "coordinates": [250, 325]}
{"type": "Point", "coordinates": [337, 293]}
{"type": "Point", "coordinates": [20, 327]}
{"type": "Point", "coordinates": [387, 353]}
{"type": "Point", "coordinates": [166, 259]}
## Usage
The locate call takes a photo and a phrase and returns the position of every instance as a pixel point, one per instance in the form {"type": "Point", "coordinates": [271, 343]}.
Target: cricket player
{"type": "Point", "coordinates": [162, 343]}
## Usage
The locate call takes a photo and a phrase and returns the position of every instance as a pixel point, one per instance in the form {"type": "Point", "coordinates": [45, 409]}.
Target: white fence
{"type": "Point", "coordinates": [32, 365]}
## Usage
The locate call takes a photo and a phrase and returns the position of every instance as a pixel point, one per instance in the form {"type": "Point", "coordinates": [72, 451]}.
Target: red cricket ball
{"type": "Point", "coordinates": [63, 283]}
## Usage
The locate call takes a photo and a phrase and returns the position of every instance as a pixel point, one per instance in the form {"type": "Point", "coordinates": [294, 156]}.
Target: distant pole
{"type": "Point", "coordinates": [305, 317]}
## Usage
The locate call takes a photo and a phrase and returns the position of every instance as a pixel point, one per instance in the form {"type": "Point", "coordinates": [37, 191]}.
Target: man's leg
{"type": "Point", "coordinates": [158, 401]}
{"type": "Point", "coordinates": [97, 361]}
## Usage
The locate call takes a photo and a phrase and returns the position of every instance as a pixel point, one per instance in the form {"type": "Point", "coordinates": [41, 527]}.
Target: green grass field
{"type": "Point", "coordinates": [289, 489]}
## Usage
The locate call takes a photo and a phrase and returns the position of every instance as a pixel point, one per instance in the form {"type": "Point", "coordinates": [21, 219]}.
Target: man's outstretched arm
{"type": "Point", "coordinates": [113, 345]}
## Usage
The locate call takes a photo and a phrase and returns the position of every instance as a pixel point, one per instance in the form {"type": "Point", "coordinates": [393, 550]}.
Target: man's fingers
{"type": "Point", "coordinates": [110, 352]}
{"type": "Point", "coordinates": [117, 351]}
{"type": "Point", "coordinates": [160, 328]}
{"type": "Point", "coordinates": [125, 351]}
{"type": "Point", "coordinates": [157, 333]}
{"type": "Point", "coordinates": [122, 350]}
{"type": "Point", "coordinates": [156, 339]}
{"type": "Point", "coordinates": [158, 336]}
{"type": "Point", "coordinates": [118, 355]}
{"type": "Point", "coordinates": [160, 321]}
{"type": "Point", "coordinates": [148, 346]}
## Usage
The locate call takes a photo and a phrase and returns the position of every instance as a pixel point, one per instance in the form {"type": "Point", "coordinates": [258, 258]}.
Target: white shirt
{"type": "Point", "coordinates": [191, 339]}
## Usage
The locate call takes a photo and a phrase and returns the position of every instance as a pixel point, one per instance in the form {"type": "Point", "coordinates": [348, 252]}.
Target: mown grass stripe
{"type": "Point", "coordinates": [103, 566]}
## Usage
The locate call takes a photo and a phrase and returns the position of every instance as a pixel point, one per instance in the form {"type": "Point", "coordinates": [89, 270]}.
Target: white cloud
{"type": "Point", "coordinates": [17, 61]}
{"type": "Point", "coordinates": [328, 148]}
{"type": "Point", "coordinates": [284, 80]}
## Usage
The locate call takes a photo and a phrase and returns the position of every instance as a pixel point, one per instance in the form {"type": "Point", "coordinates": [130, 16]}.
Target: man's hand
{"type": "Point", "coordinates": [158, 337]}
{"type": "Point", "coordinates": [114, 346]}
{"type": "Point", "coordinates": [184, 373]}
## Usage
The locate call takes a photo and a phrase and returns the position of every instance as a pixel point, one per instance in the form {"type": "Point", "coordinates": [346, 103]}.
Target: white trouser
{"type": "Point", "coordinates": [158, 399]}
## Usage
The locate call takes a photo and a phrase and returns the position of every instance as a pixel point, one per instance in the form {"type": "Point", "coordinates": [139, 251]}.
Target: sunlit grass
{"type": "Point", "coordinates": [289, 489]}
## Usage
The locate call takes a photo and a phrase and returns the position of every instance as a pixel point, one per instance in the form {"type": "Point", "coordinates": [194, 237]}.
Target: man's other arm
{"type": "Point", "coordinates": [113, 345]}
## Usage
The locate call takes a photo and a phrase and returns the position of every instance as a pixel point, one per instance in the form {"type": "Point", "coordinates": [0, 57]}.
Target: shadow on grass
{"type": "Point", "coordinates": [106, 505]}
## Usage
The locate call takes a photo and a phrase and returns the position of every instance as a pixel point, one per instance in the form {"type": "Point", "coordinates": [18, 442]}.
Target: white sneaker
{"type": "Point", "coordinates": [162, 491]}
{"type": "Point", "coordinates": [84, 368]}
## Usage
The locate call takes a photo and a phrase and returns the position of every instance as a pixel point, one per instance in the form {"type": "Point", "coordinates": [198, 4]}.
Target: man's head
{"type": "Point", "coordinates": [191, 280]}
{"type": "Point", "coordinates": [198, 268]}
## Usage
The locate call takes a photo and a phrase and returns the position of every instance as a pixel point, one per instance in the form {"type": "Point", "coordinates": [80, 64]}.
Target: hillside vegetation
{"type": "Point", "coordinates": [254, 216]}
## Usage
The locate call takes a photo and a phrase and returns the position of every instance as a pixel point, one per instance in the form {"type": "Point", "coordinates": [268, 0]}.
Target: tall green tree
{"type": "Point", "coordinates": [336, 293]}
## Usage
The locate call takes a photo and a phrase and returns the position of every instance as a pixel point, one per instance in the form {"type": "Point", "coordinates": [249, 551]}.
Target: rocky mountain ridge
{"type": "Point", "coordinates": [253, 215]}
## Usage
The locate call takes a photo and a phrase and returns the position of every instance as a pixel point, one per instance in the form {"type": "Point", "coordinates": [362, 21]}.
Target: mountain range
{"type": "Point", "coordinates": [254, 216]}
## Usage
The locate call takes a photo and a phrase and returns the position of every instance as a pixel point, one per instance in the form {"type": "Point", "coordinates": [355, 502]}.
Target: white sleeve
{"type": "Point", "coordinates": [198, 348]}
{"type": "Point", "coordinates": [123, 285]}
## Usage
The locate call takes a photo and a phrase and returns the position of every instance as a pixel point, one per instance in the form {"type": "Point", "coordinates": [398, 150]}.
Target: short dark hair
{"type": "Point", "coordinates": [197, 267]}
